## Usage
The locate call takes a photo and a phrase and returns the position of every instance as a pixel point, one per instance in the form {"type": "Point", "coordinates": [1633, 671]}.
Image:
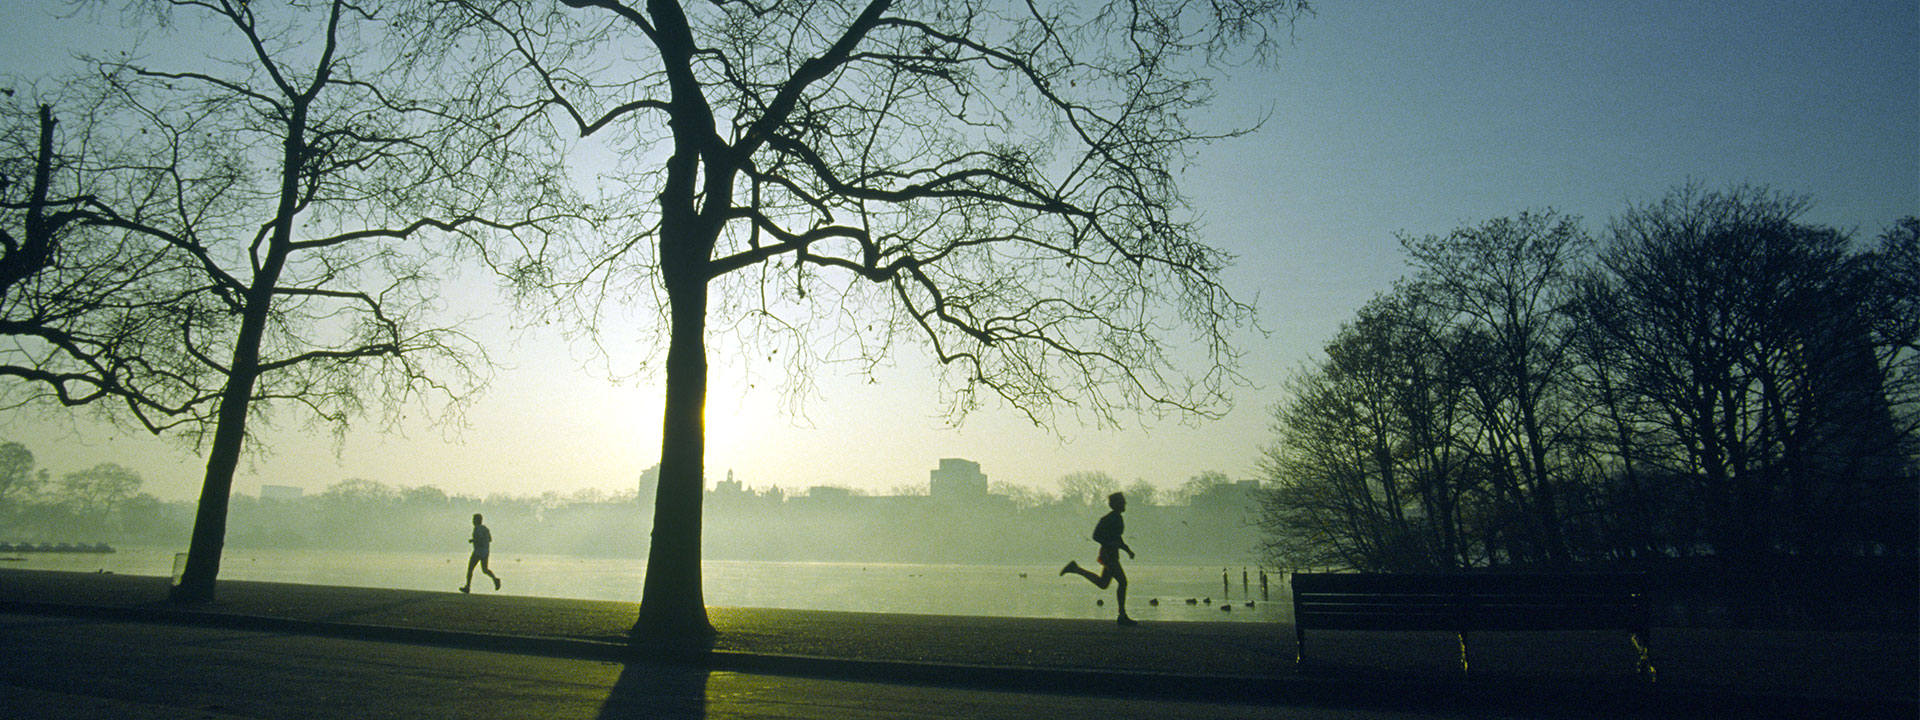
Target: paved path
{"type": "Point", "coordinates": [1848, 673]}
{"type": "Point", "coordinates": [61, 668]}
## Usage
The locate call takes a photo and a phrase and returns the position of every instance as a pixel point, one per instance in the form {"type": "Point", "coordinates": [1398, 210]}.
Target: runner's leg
{"type": "Point", "coordinates": [489, 572]}
{"type": "Point", "coordinates": [1099, 581]}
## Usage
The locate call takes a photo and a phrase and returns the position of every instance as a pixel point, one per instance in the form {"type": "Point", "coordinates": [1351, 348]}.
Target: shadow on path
{"type": "Point", "coordinates": [656, 690]}
{"type": "Point", "coordinates": [374, 610]}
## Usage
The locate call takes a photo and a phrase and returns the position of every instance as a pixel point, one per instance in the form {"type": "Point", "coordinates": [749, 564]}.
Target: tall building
{"type": "Point", "coordinates": [648, 486]}
{"type": "Point", "coordinates": [957, 480]}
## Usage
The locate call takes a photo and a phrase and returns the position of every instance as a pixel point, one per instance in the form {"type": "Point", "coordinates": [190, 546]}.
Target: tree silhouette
{"type": "Point", "coordinates": [1501, 287]}
{"type": "Point", "coordinates": [84, 309]}
{"type": "Point", "coordinates": [1749, 336]}
{"type": "Point", "coordinates": [310, 180]}
{"type": "Point", "coordinates": [1142, 493]}
{"type": "Point", "coordinates": [18, 481]}
{"type": "Point", "coordinates": [1372, 463]}
{"type": "Point", "coordinates": [1892, 298]}
{"type": "Point", "coordinates": [995, 179]}
{"type": "Point", "coordinates": [1199, 485]}
{"type": "Point", "coordinates": [1721, 379]}
{"type": "Point", "coordinates": [1087, 488]}
{"type": "Point", "coordinates": [98, 491]}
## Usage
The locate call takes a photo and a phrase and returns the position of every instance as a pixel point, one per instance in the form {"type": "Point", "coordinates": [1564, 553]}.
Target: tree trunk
{"type": "Point", "coordinates": [236, 399]}
{"type": "Point", "coordinates": [210, 520]}
{"type": "Point", "coordinates": [35, 251]}
{"type": "Point", "coordinates": [673, 608]}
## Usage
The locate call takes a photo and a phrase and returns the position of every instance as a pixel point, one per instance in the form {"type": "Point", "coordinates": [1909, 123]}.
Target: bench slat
{"type": "Point", "coordinates": [1473, 602]}
{"type": "Point", "coordinates": [1496, 583]}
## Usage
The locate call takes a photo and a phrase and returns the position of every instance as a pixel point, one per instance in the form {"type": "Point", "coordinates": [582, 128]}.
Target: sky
{"type": "Point", "coordinates": [1380, 118]}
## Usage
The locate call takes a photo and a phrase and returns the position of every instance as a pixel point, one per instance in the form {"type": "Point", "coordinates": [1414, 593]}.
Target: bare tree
{"type": "Point", "coordinates": [1501, 287]}
{"type": "Point", "coordinates": [1141, 493]}
{"type": "Point", "coordinates": [1374, 465]}
{"type": "Point", "coordinates": [1022, 496]}
{"type": "Point", "coordinates": [310, 177]}
{"type": "Point", "coordinates": [1642, 511]}
{"type": "Point", "coordinates": [1747, 334]}
{"type": "Point", "coordinates": [18, 480]}
{"type": "Point", "coordinates": [997, 179]}
{"type": "Point", "coordinates": [1198, 484]}
{"type": "Point", "coordinates": [1726, 379]}
{"type": "Point", "coordinates": [97, 491]}
{"type": "Point", "coordinates": [1087, 487]}
{"type": "Point", "coordinates": [1890, 275]}
{"type": "Point", "coordinates": [84, 308]}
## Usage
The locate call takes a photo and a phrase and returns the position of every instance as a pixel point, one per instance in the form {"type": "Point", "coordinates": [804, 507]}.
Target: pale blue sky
{"type": "Point", "coordinates": [1383, 118]}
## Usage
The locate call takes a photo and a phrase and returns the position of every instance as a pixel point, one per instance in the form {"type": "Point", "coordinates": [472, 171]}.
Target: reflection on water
{"type": "Point", "coordinates": [994, 590]}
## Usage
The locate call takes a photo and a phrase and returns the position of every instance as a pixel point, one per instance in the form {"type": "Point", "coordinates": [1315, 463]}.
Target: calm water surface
{"type": "Point", "coordinates": [992, 590]}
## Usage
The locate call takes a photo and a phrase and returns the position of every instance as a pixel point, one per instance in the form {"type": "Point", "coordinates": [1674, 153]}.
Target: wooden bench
{"type": "Point", "coordinates": [1474, 602]}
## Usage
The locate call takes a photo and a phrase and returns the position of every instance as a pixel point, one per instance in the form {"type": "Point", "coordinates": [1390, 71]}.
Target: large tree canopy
{"type": "Point", "coordinates": [997, 179]}
{"type": "Point", "coordinates": [85, 311]}
{"type": "Point", "coordinates": [1720, 378]}
{"type": "Point", "coordinates": [264, 216]}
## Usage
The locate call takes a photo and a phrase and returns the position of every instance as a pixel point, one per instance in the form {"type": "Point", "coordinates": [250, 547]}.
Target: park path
{"type": "Point", "coordinates": [1853, 666]}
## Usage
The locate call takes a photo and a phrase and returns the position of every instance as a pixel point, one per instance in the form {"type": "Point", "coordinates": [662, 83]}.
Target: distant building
{"type": "Point", "coordinates": [279, 493]}
{"type": "Point", "coordinates": [648, 486]}
{"type": "Point", "coordinates": [957, 481]}
{"type": "Point", "coordinates": [729, 491]}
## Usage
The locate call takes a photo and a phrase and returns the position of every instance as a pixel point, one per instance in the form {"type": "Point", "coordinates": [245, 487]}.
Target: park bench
{"type": "Point", "coordinates": [1465, 603]}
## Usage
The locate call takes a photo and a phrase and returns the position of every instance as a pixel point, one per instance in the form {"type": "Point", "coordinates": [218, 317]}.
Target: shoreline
{"type": "Point", "coordinates": [1005, 590]}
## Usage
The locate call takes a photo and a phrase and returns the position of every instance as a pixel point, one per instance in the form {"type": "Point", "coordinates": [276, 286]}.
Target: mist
{"type": "Point", "coordinates": [955, 518]}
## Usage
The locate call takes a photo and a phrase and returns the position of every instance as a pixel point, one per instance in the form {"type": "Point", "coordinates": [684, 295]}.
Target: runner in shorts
{"type": "Point", "coordinates": [482, 542]}
{"type": "Point", "coordinates": [1108, 533]}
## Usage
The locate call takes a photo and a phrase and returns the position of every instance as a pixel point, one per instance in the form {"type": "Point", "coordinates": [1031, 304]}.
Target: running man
{"type": "Point", "coordinates": [1108, 533]}
{"type": "Point", "coordinates": [482, 542]}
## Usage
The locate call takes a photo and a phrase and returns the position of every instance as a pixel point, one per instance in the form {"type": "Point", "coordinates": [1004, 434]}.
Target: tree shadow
{"type": "Point", "coordinates": [374, 610]}
{"type": "Point", "coordinates": [658, 690]}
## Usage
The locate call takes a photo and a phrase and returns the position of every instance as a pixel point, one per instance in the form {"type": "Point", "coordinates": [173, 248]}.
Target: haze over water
{"type": "Point", "coordinates": [985, 590]}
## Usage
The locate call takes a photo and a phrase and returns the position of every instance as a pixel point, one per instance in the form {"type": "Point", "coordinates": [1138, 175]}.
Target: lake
{"type": "Point", "coordinates": [990, 590]}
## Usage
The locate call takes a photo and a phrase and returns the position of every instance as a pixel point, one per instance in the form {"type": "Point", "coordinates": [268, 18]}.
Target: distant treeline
{"type": "Point", "coordinates": [103, 503]}
{"type": "Point", "coordinates": [1712, 378]}
{"type": "Point", "coordinates": [836, 526]}
{"type": "Point", "coordinates": [1018, 524]}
